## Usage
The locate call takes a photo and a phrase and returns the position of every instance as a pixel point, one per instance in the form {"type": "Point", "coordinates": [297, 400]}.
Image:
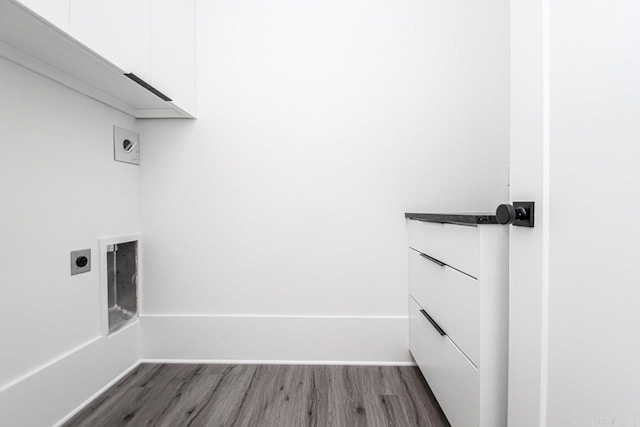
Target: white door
{"type": "Point", "coordinates": [575, 150]}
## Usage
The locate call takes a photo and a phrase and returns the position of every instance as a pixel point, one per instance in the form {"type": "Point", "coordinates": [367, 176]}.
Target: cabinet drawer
{"type": "Point", "coordinates": [451, 298]}
{"type": "Point", "coordinates": [455, 245]}
{"type": "Point", "coordinates": [452, 378]}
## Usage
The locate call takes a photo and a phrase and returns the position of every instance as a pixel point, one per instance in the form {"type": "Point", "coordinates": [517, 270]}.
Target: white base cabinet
{"type": "Point", "coordinates": [458, 317]}
{"type": "Point", "coordinates": [452, 377]}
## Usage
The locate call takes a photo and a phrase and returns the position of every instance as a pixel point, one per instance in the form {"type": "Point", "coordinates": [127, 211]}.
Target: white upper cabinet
{"type": "Point", "coordinates": [54, 11]}
{"type": "Point", "coordinates": [173, 50]}
{"type": "Point", "coordinates": [118, 30]}
{"type": "Point", "coordinates": [153, 39]}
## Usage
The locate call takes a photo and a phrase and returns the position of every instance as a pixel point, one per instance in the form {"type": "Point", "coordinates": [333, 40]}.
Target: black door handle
{"type": "Point", "coordinates": [519, 214]}
{"type": "Point", "coordinates": [433, 323]}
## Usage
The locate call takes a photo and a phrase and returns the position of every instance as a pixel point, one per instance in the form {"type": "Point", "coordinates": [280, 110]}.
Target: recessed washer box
{"type": "Point", "coordinates": [126, 146]}
{"type": "Point", "coordinates": [119, 278]}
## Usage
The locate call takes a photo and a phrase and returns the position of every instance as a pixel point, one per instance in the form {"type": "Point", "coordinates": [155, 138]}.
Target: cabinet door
{"type": "Point", "coordinates": [173, 50]}
{"type": "Point", "coordinates": [118, 30]}
{"type": "Point", "coordinates": [54, 11]}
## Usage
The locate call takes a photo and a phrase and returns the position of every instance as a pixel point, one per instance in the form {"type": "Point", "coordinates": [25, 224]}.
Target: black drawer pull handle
{"type": "Point", "coordinates": [148, 87]}
{"type": "Point", "coordinates": [433, 323]}
{"type": "Point", "coordinates": [432, 259]}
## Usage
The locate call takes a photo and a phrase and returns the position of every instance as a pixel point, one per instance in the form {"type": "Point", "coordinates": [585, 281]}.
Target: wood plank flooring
{"type": "Point", "coordinates": [175, 395]}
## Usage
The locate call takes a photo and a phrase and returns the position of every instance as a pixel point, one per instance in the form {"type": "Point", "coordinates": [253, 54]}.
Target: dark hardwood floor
{"type": "Point", "coordinates": [265, 395]}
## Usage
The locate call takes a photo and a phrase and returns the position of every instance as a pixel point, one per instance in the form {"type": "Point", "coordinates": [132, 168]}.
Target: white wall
{"type": "Point", "coordinates": [576, 129]}
{"type": "Point", "coordinates": [320, 124]}
{"type": "Point", "coordinates": [61, 190]}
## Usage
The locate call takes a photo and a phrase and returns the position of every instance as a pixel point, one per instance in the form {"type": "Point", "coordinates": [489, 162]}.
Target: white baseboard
{"type": "Point", "coordinates": [366, 340]}
{"type": "Point", "coordinates": [276, 362]}
{"type": "Point", "coordinates": [53, 393]}
{"type": "Point", "coordinates": [96, 394]}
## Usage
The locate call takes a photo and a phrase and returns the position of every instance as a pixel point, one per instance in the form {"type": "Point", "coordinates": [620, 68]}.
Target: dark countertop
{"type": "Point", "coordinates": [454, 218]}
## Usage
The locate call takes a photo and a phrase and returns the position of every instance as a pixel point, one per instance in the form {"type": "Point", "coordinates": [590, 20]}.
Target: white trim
{"type": "Point", "coordinates": [278, 362]}
{"type": "Point", "coordinates": [96, 394]}
{"type": "Point", "coordinates": [50, 363]}
{"type": "Point", "coordinates": [546, 158]}
{"type": "Point", "coordinates": [271, 316]}
{"type": "Point", "coordinates": [276, 338]}
{"type": "Point", "coordinates": [529, 157]}
{"type": "Point", "coordinates": [87, 369]}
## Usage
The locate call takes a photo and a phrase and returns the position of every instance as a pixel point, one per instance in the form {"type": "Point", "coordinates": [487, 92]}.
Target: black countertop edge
{"type": "Point", "coordinates": [461, 218]}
